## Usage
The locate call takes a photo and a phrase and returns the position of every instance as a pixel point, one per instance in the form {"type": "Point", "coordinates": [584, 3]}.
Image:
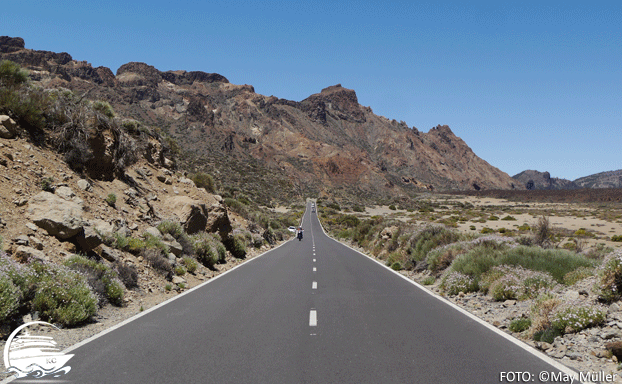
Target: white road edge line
{"type": "Point", "coordinates": [313, 318]}
{"type": "Point", "coordinates": [491, 327]}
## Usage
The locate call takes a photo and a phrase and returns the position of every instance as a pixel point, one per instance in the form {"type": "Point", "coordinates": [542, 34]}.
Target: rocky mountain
{"type": "Point", "coordinates": [610, 179]}
{"type": "Point", "coordinates": [274, 149]}
{"type": "Point", "coordinates": [542, 180]}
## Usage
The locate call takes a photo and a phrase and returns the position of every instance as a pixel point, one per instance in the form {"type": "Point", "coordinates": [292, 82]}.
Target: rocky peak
{"type": "Point", "coordinates": [11, 44]}
{"type": "Point", "coordinates": [339, 102]}
{"type": "Point", "coordinates": [139, 74]}
{"type": "Point", "coordinates": [187, 78]}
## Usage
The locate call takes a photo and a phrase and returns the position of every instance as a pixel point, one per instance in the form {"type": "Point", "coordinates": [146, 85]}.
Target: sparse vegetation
{"type": "Point", "coordinates": [111, 199]}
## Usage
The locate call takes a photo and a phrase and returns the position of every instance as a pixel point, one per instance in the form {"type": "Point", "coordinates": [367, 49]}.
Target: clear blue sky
{"type": "Point", "coordinates": [527, 85]}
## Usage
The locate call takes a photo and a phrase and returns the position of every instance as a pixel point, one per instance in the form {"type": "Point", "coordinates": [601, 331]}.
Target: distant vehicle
{"type": "Point", "coordinates": [292, 229]}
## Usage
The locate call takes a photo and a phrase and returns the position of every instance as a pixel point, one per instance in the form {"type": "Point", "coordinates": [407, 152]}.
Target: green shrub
{"type": "Point", "coordinates": [203, 180]}
{"type": "Point", "coordinates": [180, 270]}
{"type": "Point", "coordinates": [487, 230]}
{"type": "Point", "coordinates": [441, 258]}
{"type": "Point", "coordinates": [168, 287]}
{"type": "Point", "coordinates": [12, 75]}
{"type": "Point", "coordinates": [10, 297]}
{"type": "Point", "coordinates": [64, 297]}
{"type": "Point", "coordinates": [104, 108]}
{"type": "Point", "coordinates": [547, 335]}
{"type": "Point", "coordinates": [557, 262]}
{"type": "Point", "coordinates": [135, 245]}
{"type": "Point", "coordinates": [472, 228]}
{"type": "Point", "coordinates": [493, 218]}
{"type": "Point", "coordinates": [428, 280]}
{"type": "Point", "coordinates": [575, 318]}
{"type": "Point", "coordinates": [238, 246]}
{"type": "Point", "coordinates": [505, 288]}
{"type": "Point", "coordinates": [509, 218]}
{"type": "Point", "coordinates": [610, 277]}
{"type": "Point", "coordinates": [205, 248]}
{"type": "Point", "coordinates": [397, 266]}
{"type": "Point", "coordinates": [171, 227]}
{"type": "Point", "coordinates": [578, 274]}
{"type": "Point", "coordinates": [392, 207]}
{"type": "Point", "coordinates": [455, 282]}
{"type": "Point", "coordinates": [22, 276]}
{"type": "Point", "coordinates": [127, 274]}
{"type": "Point", "coordinates": [47, 184]}
{"type": "Point", "coordinates": [358, 208]}
{"type": "Point", "coordinates": [155, 258]}
{"type": "Point", "coordinates": [429, 237]}
{"type": "Point", "coordinates": [520, 325]}
{"type": "Point", "coordinates": [616, 238]}
{"type": "Point", "coordinates": [190, 263]}
{"type": "Point", "coordinates": [154, 242]}
{"type": "Point", "coordinates": [101, 278]}
{"type": "Point", "coordinates": [111, 199]}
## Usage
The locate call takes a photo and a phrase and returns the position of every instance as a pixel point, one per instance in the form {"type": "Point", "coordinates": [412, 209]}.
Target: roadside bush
{"type": "Point", "coordinates": [127, 274]}
{"type": "Point", "coordinates": [101, 278]}
{"type": "Point", "coordinates": [205, 248]}
{"type": "Point", "coordinates": [429, 237]}
{"type": "Point", "coordinates": [397, 266]}
{"type": "Point", "coordinates": [155, 258]}
{"type": "Point", "coordinates": [428, 280]}
{"type": "Point", "coordinates": [190, 263]}
{"type": "Point", "coordinates": [455, 282]}
{"type": "Point", "coordinates": [154, 242]}
{"type": "Point", "coordinates": [556, 262]}
{"type": "Point", "coordinates": [572, 318]}
{"type": "Point", "coordinates": [441, 258]}
{"type": "Point", "coordinates": [64, 296]}
{"type": "Point", "coordinates": [238, 246]}
{"type": "Point", "coordinates": [506, 282]}
{"type": "Point", "coordinates": [520, 325]}
{"type": "Point", "coordinates": [578, 274]}
{"type": "Point", "coordinates": [21, 275]}
{"type": "Point", "coordinates": [610, 277]}
{"type": "Point", "coordinates": [10, 297]}
{"type": "Point", "coordinates": [541, 317]}
{"type": "Point", "coordinates": [180, 270]}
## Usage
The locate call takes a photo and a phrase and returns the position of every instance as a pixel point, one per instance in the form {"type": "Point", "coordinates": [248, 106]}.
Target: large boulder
{"type": "Point", "coordinates": [192, 214]}
{"type": "Point", "coordinates": [59, 217]}
{"type": "Point", "coordinates": [8, 127]}
{"type": "Point", "coordinates": [196, 215]}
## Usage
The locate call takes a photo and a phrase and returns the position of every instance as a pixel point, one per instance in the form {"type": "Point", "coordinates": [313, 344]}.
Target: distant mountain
{"type": "Point", "coordinates": [610, 179]}
{"type": "Point", "coordinates": [326, 144]}
{"type": "Point", "coordinates": [542, 180]}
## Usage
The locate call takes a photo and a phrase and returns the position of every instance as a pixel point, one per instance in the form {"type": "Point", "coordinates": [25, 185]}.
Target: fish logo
{"type": "Point", "coordinates": [29, 355]}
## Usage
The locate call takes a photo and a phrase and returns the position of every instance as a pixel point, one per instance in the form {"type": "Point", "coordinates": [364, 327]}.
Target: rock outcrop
{"type": "Point", "coordinates": [271, 148]}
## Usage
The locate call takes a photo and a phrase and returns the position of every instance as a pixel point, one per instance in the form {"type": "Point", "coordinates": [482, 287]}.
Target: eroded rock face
{"type": "Point", "coordinates": [59, 217]}
{"type": "Point", "coordinates": [195, 215]}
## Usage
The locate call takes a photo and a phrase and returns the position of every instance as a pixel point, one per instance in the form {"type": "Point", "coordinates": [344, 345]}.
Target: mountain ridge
{"type": "Point", "coordinates": [326, 144]}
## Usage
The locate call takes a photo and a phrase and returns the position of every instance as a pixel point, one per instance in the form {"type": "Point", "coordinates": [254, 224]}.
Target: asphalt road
{"type": "Point", "coordinates": [310, 311]}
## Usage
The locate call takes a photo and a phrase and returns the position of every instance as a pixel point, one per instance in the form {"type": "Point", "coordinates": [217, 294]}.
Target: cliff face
{"type": "Point", "coordinates": [542, 180]}
{"type": "Point", "coordinates": [273, 148]}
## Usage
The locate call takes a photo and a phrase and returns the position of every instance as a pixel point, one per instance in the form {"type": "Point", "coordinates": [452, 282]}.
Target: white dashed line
{"type": "Point", "coordinates": [314, 285]}
{"type": "Point", "coordinates": [314, 260]}
{"type": "Point", "coordinates": [314, 269]}
{"type": "Point", "coordinates": [313, 318]}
